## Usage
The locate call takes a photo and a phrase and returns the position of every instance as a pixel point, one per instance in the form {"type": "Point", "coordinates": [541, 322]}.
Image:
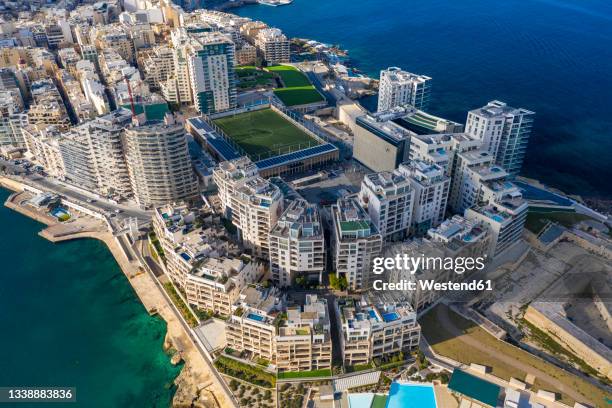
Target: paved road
{"type": "Point", "coordinates": [446, 321]}
{"type": "Point", "coordinates": [77, 195]}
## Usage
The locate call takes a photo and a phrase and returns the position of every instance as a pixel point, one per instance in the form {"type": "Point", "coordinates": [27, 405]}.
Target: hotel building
{"type": "Point", "coordinates": [297, 244]}
{"type": "Point", "coordinates": [355, 243]}
{"type": "Point", "coordinates": [376, 326]}
{"type": "Point", "coordinates": [388, 198]}
{"type": "Point", "coordinates": [397, 88]}
{"type": "Point", "coordinates": [504, 132]}
{"type": "Point", "coordinates": [379, 143]}
{"type": "Point", "coordinates": [431, 187]}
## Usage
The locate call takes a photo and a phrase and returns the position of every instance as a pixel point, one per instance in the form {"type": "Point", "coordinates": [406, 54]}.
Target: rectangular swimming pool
{"type": "Point", "coordinates": [411, 395]}
{"type": "Point", "coordinates": [255, 317]}
{"type": "Point", "coordinates": [390, 317]}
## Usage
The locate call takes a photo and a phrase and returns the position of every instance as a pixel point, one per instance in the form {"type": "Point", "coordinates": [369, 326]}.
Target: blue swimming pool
{"type": "Point", "coordinates": [255, 317]}
{"type": "Point", "coordinates": [57, 212]}
{"type": "Point", "coordinates": [361, 400]}
{"type": "Point", "coordinates": [372, 314]}
{"type": "Point", "coordinates": [390, 317]}
{"type": "Point", "coordinates": [408, 395]}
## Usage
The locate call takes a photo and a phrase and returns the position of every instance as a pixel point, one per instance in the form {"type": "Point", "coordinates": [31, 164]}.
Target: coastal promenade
{"type": "Point", "coordinates": [198, 383]}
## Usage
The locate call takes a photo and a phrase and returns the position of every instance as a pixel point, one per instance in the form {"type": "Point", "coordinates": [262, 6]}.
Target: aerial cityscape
{"type": "Point", "coordinates": [205, 207]}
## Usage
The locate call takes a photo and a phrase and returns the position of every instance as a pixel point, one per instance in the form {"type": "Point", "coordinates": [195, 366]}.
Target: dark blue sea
{"type": "Point", "coordinates": [550, 56]}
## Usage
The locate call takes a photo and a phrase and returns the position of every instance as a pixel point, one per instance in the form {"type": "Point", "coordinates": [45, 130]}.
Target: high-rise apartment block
{"type": "Point", "coordinates": [159, 164]}
{"type": "Point", "coordinates": [504, 132]}
{"type": "Point", "coordinates": [397, 88]}
{"type": "Point", "coordinates": [504, 218]}
{"type": "Point", "coordinates": [273, 45]}
{"type": "Point", "coordinates": [297, 244]}
{"type": "Point", "coordinates": [388, 198]}
{"type": "Point", "coordinates": [355, 243]}
{"type": "Point", "coordinates": [454, 239]}
{"type": "Point", "coordinates": [211, 72]}
{"type": "Point", "coordinates": [431, 187]}
{"type": "Point", "coordinates": [252, 203]}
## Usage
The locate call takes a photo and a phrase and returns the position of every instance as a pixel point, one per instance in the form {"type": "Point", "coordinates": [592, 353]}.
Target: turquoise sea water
{"type": "Point", "coordinates": [69, 317]}
{"type": "Point", "coordinates": [551, 56]}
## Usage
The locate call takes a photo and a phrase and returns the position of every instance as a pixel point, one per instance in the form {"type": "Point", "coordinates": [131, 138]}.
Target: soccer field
{"type": "Point", "coordinates": [264, 133]}
{"type": "Point", "coordinates": [298, 90]}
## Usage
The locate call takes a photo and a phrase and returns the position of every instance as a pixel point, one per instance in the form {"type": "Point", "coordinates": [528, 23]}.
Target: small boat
{"type": "Point", "coordinates": [274, 3]}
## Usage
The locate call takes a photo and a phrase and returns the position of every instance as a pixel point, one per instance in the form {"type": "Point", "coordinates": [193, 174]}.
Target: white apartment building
{"type": "Point", "coordinates": [12, 119]}
{"type": "Point", "coordinates": [504, 132]}
{"type": "Point", "coordinates": [75, 148]}
{"type": "Point", "coordinates": [356, 242]}
{"type": "Point", "coordinates": [431, 187]}
{"type": "Point", "coordinates": [105, 135]}
{"type": "Point", "coordinates": [43, 148]}
{"type": "Point", "coordinates": [297, 244]}
{"type": "Point", "coordinates": [159, 164]}
{"type": "Point", "coordinates": [254, 320]}
{"type": "Point", "coordinates": [294, 338]}
{"type": "Point", "coordinates": [476, 180]}
{"type": "Point", "coordinates": [177, 88]}
{"type": "Point", "coordinates": [211, 72]}
{"type": "Point", "coordinates": [215, 283]}
{"type": "Point", "coordinates": [273, 45]}
{"type": "Point", "coordinates": [397, 88]}
{"type": "Point", "coordinates": [455, 238]}
{"type": "Point", "coordinates": [303, 341]}
{"type": "Point", "coordinates": [376, 326]}
{"type": "Point", "coordinates": [158, 66]}
{"type": "Point", "coordinates": [388, 198]}
{"type": "Point", "coordinates": [441, 148]}
{"type": "Point", "coordinates": [93, 89]}
{"type": "Point", "coordinates": [252, 203]}
{"type": "Point", "coordinates": [504, 218]}
{"type": "Point", "coordinates": [188, 237]}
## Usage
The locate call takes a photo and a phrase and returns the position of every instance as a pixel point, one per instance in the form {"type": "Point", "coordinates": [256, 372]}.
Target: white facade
{"type": "Point", "coordinates": [159, 164]}
{"type": "Point", "coordinates": [397, 88]}
{"type": "Point", "coordinates": [356, 242]}
{"type": "Point", "coordinates": [388, 198]}
{"type": "Point", "coordinates": [431, 187]}
{"type": "Point", "coordinates": [252, 203]}
{"type": "Point", "coordinates": [504, 132]}
{"type": "Point", "coordinates": [375, 327]}
{"type": "Point", "coordinates": [273, 45]}
{"type": "Point", "coordinates": [297, 244]}
{"type": "Point", "coordinates": [211, 72]}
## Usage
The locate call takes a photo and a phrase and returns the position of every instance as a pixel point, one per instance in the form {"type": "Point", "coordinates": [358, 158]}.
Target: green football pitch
{"type": "Point", "coordinates": [264, 133]}
{"type": "Point", "coordinates": [298, 90]}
